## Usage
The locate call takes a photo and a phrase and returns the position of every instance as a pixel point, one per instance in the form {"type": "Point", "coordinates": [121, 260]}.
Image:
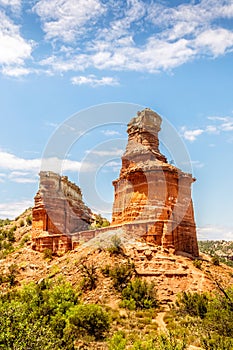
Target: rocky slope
{"type": "Point", "coordinates": [171, 273]}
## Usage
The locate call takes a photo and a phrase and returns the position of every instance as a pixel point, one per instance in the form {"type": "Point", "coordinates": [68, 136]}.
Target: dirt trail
{"type": "Point", "coordinates": [162, 327]}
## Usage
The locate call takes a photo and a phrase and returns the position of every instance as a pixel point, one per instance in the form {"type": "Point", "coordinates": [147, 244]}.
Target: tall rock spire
{"type": "Point", "coordinates": [151, 193]}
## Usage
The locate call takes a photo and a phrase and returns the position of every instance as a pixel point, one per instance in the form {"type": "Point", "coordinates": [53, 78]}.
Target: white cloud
{"type": "Point", "coordinates": [22, 177]}
{"type": "Point", "coordinates": [93, 81]}
{"type": "Point", "coordinates": [197, 164]}
{"type": "Point", "coordinates": [227, 126]}
{"type": "Point", "coordinates": [67, 19]}
{"type": "Point", "coordinates": [222, 124]}
{"type": "Point", "coordinates": [171, 37]}
{"type": "Point", "coordinates": [9, 161]}
{"type": "Point", "coordinates": [112, 166]}
{"type": "Point", "coordinates": [105, 153]}
{"type": "Point", "coordinates": [13, 48]}
{"type": "Point", "coordinates": [15, 5]}
{"type": "Point", "coordinates": [15, 71]}
{"type": "Point", "coordinates": [191, 135]}
{"type": "Point", "coordinates": [13, 209]}
{"type": "Point", "coordinates": [119, 35]}
{"type": "Point", "coordinates": [23, 170]}
{"type": "Point", "coordinates": [218, 118]}
{"type": "Point", "coordinates": [110, 132]}
{"type": "Point", "coordinates": [210, 232]}
{"type": "Point", "coordinates": [217, 41]}
{"type": "Point", "coordinates": [212, 129]}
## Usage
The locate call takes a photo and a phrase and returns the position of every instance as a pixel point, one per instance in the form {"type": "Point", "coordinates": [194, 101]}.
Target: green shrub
{"type": "Point", "coordinates": [106, 270]}
{"type": "Point", "coordinates": [11, 276]}
{"type": "Point", "coordinates": [35, 317]}
{"type": "Point", "coordinates": [29, 220]}
{"type": "Point", "coordinates": [99, 222]}
{"type": "Point", "coordinates": [21, 223]}
{"type": "Point", "coordinates": [197, 263]}
{"type": "Point", "coordinates": [121, 275]}
{"type": "Point", "coordinates": [117, 342]}
{"type": "Point", "coordinates": [171, 341]}
{"type": "Point", "coordinates": [48, 254]}
{"type": "Point", "coordinates": [25, 239]}
{"type": "Point", "coordinates": [90, 277]}
{"type": "Point", "coordinates": [215, 260]}
{"type": "Point", "coordinates": [140, 293]}
{"type": "Point", "coordinates": [90, 319]}
{"type": "Point", "coordinates": [116, 247]}
{"type": "Point", "coordinates": [193, 304]}
{"type": "Point", "coordinates": [11, 234]}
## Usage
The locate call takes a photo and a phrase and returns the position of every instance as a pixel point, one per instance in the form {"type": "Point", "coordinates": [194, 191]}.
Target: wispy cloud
{"type": "Point", "coordinates": [211, 232]}
{"type": "Point", "coordinates": [112, 166]}
{"type": "Point", "coordinates": [191, 135]}
{"type": "Point", "coordinates": [221, 124]}
{"type": "Point", "coordinates": [16, 72]}
{"type": "Point", "coordinates": [15, 5]}
{"type": "Point", "coordinates": [9, 161]}
{"type": "Point", "coordinates": [173, 36]}
{"type": "Point", "coordinates": [115, 152]}
{"type": "Point", "coordinates": [22, 170]}
{"type": "Point", "coordinates": [14, 49]}
{"type": "Point", "coordinates": [66, 20]}
{"type": "Point", "coordinates": [93, 81]}
{"type": "Point", "coordinates": [12, 209]}
{"type": "Point", "coordinates": [197, 164]}
{"type": "Point", "coordinates": [110, 132]}
{"type": "Point", "coordinates": [131, 35]}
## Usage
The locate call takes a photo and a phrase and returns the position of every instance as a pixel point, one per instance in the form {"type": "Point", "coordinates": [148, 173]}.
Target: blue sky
{"type": "Point", "coordinates": [60, 57]}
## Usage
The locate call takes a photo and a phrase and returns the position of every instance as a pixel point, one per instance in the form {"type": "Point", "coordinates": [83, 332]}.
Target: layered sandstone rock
{"type": "Point", "coordinates": [150, 193]}
{"type": "Point", "coordinates": [59, 210]}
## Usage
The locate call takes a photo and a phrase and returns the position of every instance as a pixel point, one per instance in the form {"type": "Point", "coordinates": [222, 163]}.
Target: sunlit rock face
{"type": "Point", "coordinates": [150, 193]}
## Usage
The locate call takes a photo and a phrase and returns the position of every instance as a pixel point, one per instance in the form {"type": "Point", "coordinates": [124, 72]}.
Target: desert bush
{"type": "Point", "coordinates": [25, 239]}
{"type": "Point", "coordinates": [106, 270]}
{"type": "Point", "coordinates": [171, 341]}
{"type": "Point", "coordinates": [11, 234]}
{"type": "Point", "coordinates": [197, 263]}
{"type": "Point", "coordinates": [216, 342]}
{"type": "Point", "coordinates": [29, 220]}
{"type": "Point", "coordinates": [11, 276]}
{"type": "Point", "coordinates": [215, 260]}
{"type": "Point", "coordinates": [116, 246]}
{"type": "Point", "coordinates": [90, 319]}
{"type": "Point", "coordinates": [117, 342]}
{"type": "Point", "coordinates": [121, 275]}
{"type": "Point", "coordinates": [193, 304]}
{"type": "Point", "coordinates": [90, 276]}
{"type": "Point", "coordinates": [139, 295]}
{"type": "Point", "coordinates": [48, 254]}
{"type": "Point", "coordinates": [21, 223]}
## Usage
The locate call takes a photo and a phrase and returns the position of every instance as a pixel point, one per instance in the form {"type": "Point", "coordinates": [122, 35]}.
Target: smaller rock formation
{"type": "Point", "coordinates": [59, 211]}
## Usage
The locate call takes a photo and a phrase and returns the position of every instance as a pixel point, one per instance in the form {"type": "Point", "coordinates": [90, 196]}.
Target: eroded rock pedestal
{"type": "Point", "coordinates": [59, 211]}
{"type": "Point", "coordinates": [150, 193]}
